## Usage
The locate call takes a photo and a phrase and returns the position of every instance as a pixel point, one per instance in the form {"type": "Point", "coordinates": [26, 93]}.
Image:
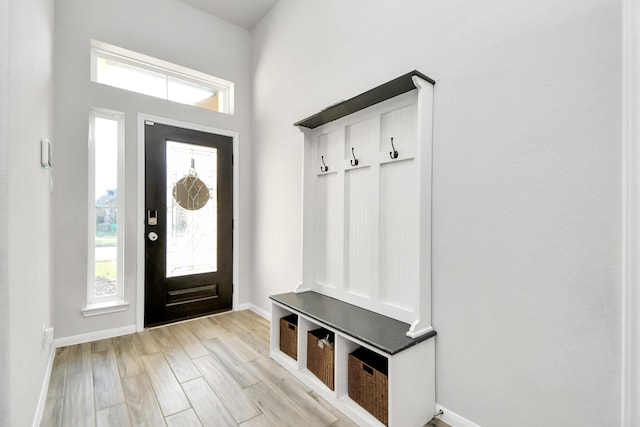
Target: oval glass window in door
{"type": "Point", "coordinates": [192, 231]}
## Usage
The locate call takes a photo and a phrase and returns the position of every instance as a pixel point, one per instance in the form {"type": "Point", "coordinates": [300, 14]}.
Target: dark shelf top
{"type": "Point", "coordinates": [381, 332]}
{"type": "Point", "coordinates": [371, 97]}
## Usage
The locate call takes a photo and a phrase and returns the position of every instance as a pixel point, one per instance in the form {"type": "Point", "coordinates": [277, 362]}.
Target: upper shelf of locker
{"type": "Point", "coordinates": [371, 97]}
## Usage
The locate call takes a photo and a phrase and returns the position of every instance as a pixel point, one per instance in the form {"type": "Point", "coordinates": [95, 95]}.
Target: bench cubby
{"type": "Point", "coordinates": [320, 355]}
{"type": "Point", "coordinates": [369, 382]}
{"type": "Point", "coordinates": [289, 336]}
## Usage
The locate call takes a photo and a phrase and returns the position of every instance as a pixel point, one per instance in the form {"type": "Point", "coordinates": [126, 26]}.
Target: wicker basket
{"type": "Point", "coordinates": [289, 336]}
{"type": "Point", "coordinates": [320, 356]}
{"type": "Point", "coordinates": [368, 382]}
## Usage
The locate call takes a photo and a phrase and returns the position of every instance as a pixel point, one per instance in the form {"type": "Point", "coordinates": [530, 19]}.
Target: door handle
{"type": "Point", "coordinates": [152, 236]}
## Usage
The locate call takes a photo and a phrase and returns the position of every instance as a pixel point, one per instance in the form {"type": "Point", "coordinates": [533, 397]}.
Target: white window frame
{"type": "Point", "coordinates": [97, 305]}
{"type": "Point", "coordinates": [104, 50]}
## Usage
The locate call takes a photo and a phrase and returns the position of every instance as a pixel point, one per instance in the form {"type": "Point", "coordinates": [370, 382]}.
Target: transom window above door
{"type": "Point", "coordinates": [135, 72]}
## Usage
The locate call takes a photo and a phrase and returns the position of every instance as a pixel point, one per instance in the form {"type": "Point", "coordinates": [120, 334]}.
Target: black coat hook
{"type": "Point", "coordinates": [324, 167]}
{"type": "Point", "coordinates": [354, 162]}
{"type": "Point", "coordinates": [393, 154]}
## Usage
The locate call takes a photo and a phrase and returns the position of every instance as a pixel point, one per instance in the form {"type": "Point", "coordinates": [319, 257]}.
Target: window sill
{"type": "Point", "coordinates": [101, 308]}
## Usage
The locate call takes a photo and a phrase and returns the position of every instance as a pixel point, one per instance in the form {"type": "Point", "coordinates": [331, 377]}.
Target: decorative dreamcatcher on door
{"type": "Point", "coordinates": [190, 192]}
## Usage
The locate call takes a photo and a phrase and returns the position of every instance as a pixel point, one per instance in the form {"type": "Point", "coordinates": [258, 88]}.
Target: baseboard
{"type": "Point", "coordinates": [37, 419]}
{"type": "Point", "coordinates": [94, 336]}
{"type": "Point", "coordinates": [453, 419]}
{"type": "Point", "coordinates": [260, 312]}
{"type": "Point", "coordinates": [243, 306]}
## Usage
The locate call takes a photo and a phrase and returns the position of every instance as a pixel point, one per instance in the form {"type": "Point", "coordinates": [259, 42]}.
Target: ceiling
{"type": "Point", "coordinates": [244, 13]}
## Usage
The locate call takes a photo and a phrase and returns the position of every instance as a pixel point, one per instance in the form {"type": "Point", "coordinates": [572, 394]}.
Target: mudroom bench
{"type": "Point", "coordinates": [360, 361]}
{"type": "Point", "coordinates": [357, 328]}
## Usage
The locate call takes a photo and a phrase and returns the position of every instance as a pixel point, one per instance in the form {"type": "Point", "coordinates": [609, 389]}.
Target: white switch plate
{"type": "Point", "coordinates": [45, 153]}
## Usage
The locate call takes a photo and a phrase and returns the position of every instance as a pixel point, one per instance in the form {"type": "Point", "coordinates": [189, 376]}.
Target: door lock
{"type": "Point", "coordinates": [152, 217]}
{"type": "Point", "coordinates": [152, 236]}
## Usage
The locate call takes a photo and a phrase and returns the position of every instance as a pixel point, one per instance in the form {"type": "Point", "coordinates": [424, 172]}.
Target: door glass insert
{"type": "Point", "coordinates": [192, 211]}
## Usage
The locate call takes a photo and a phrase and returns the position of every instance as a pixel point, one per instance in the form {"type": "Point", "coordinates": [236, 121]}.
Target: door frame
{"type": "Point", "coordinates": [140, 211]}
{"type": "Point", "coordinates": [630, 381]}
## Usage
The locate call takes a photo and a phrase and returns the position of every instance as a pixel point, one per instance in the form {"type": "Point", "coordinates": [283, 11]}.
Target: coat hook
{"type": "Point", "coordinates": [324, 167]}
{"type": "Point", "coordinates": [393, 154]}
{"type": "Point", "coordinates": [354, 162]}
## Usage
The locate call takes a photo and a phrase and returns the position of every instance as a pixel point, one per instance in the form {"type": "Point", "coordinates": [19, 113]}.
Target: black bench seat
{"type": "Point", "coordinates": [381, 332]}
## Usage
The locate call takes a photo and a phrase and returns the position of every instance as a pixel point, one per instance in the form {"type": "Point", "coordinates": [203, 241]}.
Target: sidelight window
{"type": "Point", "coordinates": [106, 207]}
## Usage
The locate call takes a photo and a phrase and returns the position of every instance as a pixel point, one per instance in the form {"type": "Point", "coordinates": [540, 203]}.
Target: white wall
{"type": "Point", "coordinates": [4, 211]}
{"type": "Point", "coordinates": [526, 206]}
{"type": "Point", "coordinates": [28, 204]}
{"type": "Point", "coordinates": [165, 29]}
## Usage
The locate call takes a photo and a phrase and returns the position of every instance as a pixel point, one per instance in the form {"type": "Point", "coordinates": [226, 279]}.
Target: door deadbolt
{"type": "Point", "coordinates": [152, 217]}
{"type": "Point", "coordinates": [152, 236]}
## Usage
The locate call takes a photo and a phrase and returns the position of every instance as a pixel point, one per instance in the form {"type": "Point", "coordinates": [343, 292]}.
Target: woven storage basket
{"type": "Point", "coordinates": [320, 356]}
{"type": "Point", "coordinates": [368, 382]}
{"type": "Point", "coordinates": [289, 336]}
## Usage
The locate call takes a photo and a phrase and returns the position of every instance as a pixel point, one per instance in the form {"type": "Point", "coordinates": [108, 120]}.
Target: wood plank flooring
{"type": "Point", "coordinates": [212, 371]}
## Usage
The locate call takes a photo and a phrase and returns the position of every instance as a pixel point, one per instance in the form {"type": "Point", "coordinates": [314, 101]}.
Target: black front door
{"type": "Point", "coordinates": [188, 224]}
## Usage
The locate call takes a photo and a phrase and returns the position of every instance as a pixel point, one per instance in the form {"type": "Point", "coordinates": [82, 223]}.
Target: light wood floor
{"type": "Point", "coordinates": [212, 371]}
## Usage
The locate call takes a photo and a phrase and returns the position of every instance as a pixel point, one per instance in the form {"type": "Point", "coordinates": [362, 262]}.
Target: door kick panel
{"type": "Point", "coordinates": [200, 293]}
